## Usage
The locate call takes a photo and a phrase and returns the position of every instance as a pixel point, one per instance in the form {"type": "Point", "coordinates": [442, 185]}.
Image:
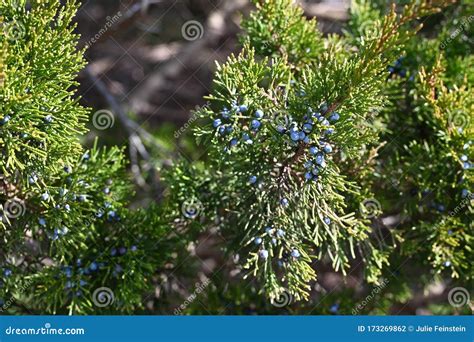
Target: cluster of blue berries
{"type": "Point", "coordinates": [225, 128]}
{"type": "Point", "coordinates": [397, 69]}
{"type": "Point", "coordinates": [108, 212]}
{"type": "Point", "coordinates": [466, 164]}
{"type": "Point", "coordinates": [274, 235]}
{"type": "Point", "coordinates": [78, 272]}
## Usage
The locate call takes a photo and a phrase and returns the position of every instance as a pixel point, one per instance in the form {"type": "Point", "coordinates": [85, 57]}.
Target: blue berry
{"type": "Point", "coordinates": [67, 169]}
{"type": "Point", "coordinates": [106, 191]}
{"type": "Point", "coordinates": [45, 196]}
{"type": "Point", "coordinates": [122, 250]}
{"type": "Point", "coordinates": [329, 131]}
{"type": "Point", "coordinates": [447, 263]}
{"type": "Point", "coordinates": [258, 240]}
{"type": "Point", "coordinates": [68, 271]}
{"type": "Point", "coordinates": [263, 254]}
{"type": "Point", "coordinates": [256, 124]}
{"type": "Point", "coordinates": [93, 266]}
{"type": "Point", "coordinates": [7, 272]}
{"type": "Point", "coordinates": [280, 233]}
{"type": "Point", "coordinates": [315, 171]}
{"type": "Point", "coordinates": [334, 309]}
{"type": "Point", "coordinates": [133, 248]}
{"type": "Point", "coordinates": [252, 179]}
{"type": "Point", "coordinates": [334, 117]}
{"type": "Point", "coordinates": [466, 165]}
{"type": "Point", "coordinates": [82, 282]}
{"type": "Point", "coordinates": [327, 220]}
{"type": "Point", "coordinates": [5, 120]}
{"type": "Point", "coordinates": [113, 252]}
{"type": "Point", "coordinates": [259, 114]}
{"type": "Point", "coordinates": [325, 122]}
{"type": "Point", "coordinates": [308, 175]}
{"type": "Point", "coordinates": [221, 130]}
{"type": "Point", "coordinates": [313, 150]}
{"type": "Point", "coordinates": [307, 127]}
{"type": "Point", "coordinates": [319, 158]}
{"type": "Point", "coordinates": [48, 119]}
{"type": "Point", "coordinates": [280, 129]}
{"type": "Point", "coordinates": [308, 164]}
{"type": "Point", "coordinates": [67, 207]}
{"type": "Point", "coordinates": [327, 148]}
{"type": "Point", "coordinates": [229, 129]}
{"type": "Point", "coordinates": [243, 108]}
{"type": "Point", "coordinates": [464, 193]}
{"type": "Point", "coordinates": [247, 139]}
{"type": "Point", "coordinates": [295, 253]}
{"type": "Point", "coordinates": [216, 123]}
{"type": "Point", "coordinates": [450, 232]}
{"type": "Point", "coordinates": [464, 157]}
{"type": "Point", "coordinates": [301, 135]}
{"type": "Point", "coordinates": [225, 114]}
{"type": "Point", "coordinates": [284, 202]}
{"type": "Point", "coordinates": [32, 179]}
{"type": "Point", "coordinates": [294, 136]}
{"type": "Point", "coordinates": [42, 221]}
{"type": "Point", "coordinates": [441, 207]}
{"type": "Point", "coordinates": [234, 142]}
{"type": "Point", "coordinates": [82, 198]}
{"type": "Point", "coordinates": [268, 230]}
{"type": "Point", "coordinates": [323, 108]}
{"type": "Point", "coordinates": [306, 140]}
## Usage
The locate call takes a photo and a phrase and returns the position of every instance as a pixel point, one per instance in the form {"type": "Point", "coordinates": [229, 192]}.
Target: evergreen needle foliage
{"type": "Point", "coordinates": [308, 140]}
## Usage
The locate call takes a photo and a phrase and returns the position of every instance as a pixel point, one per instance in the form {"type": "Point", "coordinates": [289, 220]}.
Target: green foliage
{"type": "Point", "coordinates": [65, 226]}
{"type": "Point", "coordinates": [308, 140]}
